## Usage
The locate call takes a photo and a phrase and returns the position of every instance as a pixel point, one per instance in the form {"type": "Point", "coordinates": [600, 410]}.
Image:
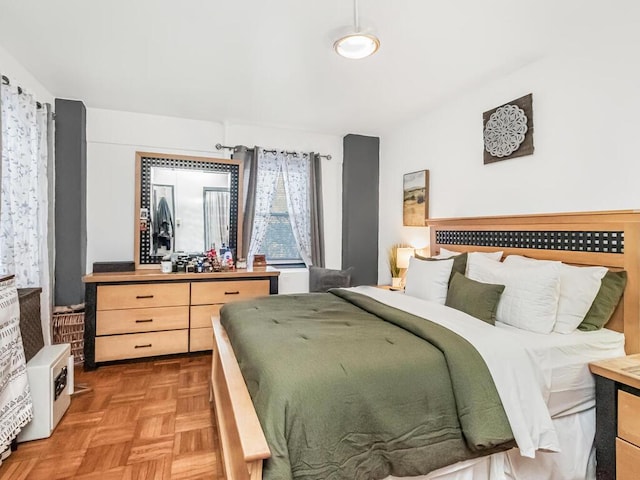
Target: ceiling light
{"type": "Point", "coordinates": [356, 44]}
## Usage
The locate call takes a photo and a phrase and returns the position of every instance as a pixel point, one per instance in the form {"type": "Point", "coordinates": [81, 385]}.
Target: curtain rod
{"type": "Point", "coordinates": [219, 146]}
{"type": "Point", "coordinates": [5, 81]}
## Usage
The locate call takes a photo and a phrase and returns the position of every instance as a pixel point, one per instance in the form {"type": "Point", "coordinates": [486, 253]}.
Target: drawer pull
{"type": "Point", "coordinates": [143, 296]}
{"type": "Point", "coordinates": [148, 345]}
{"type": "Point", "coordinates": [146, 320]}
{"type": "Point", "coordinates": [237, 292]}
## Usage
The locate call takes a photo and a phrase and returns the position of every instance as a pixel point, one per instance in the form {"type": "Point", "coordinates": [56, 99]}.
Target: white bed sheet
{"type": "Point", "coordinates": [563, 361]}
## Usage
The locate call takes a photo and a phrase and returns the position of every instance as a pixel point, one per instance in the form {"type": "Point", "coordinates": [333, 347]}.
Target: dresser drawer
{"type": "Point", "coordinates": [134, 320]}
{"type": "Point", "coordinates": [116, 297]}
{"type": "Point", "coordinates": [629, 417]}
{"type": "Point", "coordinates": [203, 293]}
{"type": "Point", "coordinates": [200, 339]}
{"type": "Point", "coordinates": [201, 315]}
{"type": "Point", "coordinates": [137, 345]}
{"type": "Point", "coordinates": [627, 460]}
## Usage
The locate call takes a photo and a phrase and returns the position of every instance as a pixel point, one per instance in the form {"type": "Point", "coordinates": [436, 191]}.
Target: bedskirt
{"type": "Point", "coordinates": [576, 461]}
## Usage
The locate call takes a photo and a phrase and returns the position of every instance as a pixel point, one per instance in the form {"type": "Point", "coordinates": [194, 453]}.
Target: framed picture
{"type": "Point", "coordinates": [508, 130]}
{"type": "Point", "coordinates": [415, 203]}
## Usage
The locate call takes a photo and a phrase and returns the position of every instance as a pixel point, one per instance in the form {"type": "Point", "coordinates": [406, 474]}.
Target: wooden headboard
{"type": "Point", "coordinates": [610, 239]}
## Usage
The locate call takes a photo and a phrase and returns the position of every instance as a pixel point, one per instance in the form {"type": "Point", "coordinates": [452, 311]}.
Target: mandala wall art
{"type": "Point", "coordinates": [508, 130]}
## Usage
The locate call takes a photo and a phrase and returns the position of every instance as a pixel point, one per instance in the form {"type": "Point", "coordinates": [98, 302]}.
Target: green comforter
{"type": "Point", "coordinates": [348, 388]}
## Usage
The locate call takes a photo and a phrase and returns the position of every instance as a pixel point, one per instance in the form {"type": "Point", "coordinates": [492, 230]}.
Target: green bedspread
{"type": "Point", "coordinates": [346, 387]}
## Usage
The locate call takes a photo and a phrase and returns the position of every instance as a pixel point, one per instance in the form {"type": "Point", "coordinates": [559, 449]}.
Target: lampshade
{"type": "Point", "coordinates": [403, 254]}
{"type": "Point", "coordinates": [356, 44]}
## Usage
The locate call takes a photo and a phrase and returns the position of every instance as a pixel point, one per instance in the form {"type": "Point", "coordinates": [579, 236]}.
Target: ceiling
{"type": "Point", "coordinates": [271, 62]}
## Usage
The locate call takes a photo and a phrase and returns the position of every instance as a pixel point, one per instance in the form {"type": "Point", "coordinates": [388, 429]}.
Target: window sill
{"type": "Point", "coordinates": [282, 266]}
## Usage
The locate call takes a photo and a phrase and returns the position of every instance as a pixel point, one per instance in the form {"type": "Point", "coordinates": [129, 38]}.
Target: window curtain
{"type": "Point", "coordinates": [265, 176]}
{"type": "Point", "coordinates": [302, 178]}
{"type": "Point", "coordinates": [249, 159]}
{"type": "Point", "coordinates": [24, 204]}
{"type": "Point", "coordinates": [317, 216]}
{"type": "Point", "coordinates": [303, 187]}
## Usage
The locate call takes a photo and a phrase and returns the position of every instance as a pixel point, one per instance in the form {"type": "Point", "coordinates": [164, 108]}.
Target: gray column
{"type": "Point", "coordinates": [70, 201]}
{"type": "Point", "coordinates": [360, 176]}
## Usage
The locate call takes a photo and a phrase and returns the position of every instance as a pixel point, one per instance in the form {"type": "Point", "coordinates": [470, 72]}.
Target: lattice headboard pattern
{"type": "Point", "coordinates": [589, 241]}
{"type": "Point", "coordinates": [610, 239]}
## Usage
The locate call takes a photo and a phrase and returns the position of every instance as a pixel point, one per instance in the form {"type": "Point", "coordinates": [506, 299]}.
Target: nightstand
{"type": "Point", "coordinates": [617, 417]}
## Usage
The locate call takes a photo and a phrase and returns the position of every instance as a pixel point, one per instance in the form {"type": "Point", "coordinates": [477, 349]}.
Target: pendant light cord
{"type": "Point", "coordinates": [356, 23]}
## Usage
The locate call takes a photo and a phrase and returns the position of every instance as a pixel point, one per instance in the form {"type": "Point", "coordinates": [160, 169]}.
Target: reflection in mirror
{"type": "Point", "coordinates": [216, 217]}
{"type": "Point", "coordinates": [192, 204]}
{"type": "Point", "coordinates": [192, 216]}
{"type": "Point", "coordinates": [163, 228]}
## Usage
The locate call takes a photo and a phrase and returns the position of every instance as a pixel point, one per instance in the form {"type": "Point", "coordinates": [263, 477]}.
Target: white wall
{"type": "Point", "coordinates": [113, 137]}
{"type": "Point", "coordinates": [586, 113]}
{"type": "Point", "coordinates": [18, 75]}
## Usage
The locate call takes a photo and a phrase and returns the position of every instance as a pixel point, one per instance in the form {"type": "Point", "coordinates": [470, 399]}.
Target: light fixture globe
{"type": "Point", "coordinates": [356, 45]}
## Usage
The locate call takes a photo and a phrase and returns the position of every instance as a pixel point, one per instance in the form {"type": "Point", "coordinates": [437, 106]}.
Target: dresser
{"type": "Point", "coordinates": [147, 313]}
{"type": "Point", "coordinates": [617, 417]}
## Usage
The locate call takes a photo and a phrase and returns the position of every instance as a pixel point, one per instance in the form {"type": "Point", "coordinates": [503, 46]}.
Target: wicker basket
{"type": "Point", "coordinates": [68, 327]}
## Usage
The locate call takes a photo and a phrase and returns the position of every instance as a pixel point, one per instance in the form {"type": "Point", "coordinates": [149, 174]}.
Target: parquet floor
{"type": "Point", "coordinates": [149, 420]}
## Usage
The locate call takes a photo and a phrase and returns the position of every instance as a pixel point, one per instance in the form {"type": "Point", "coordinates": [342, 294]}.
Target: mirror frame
{"type": "Point", "coordinates": [146, 160]}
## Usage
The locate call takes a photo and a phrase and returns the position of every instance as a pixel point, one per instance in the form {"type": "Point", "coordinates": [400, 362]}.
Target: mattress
{"type": "Point", "coordinates": [563, 361]}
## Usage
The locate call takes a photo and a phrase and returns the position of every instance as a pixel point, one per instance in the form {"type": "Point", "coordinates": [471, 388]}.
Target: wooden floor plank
{"type": "Point", "coordinates": [144, 420]}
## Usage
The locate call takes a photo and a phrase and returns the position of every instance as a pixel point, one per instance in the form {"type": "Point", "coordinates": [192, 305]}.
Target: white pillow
{"type": "Point", "coordinates": [531, 294]}
{"type": "Point", "coordinates": [472, 256]}
{"type": "Point", "coordinates": [428, 280]}
{"type": "Point", "coordinates": [444, 253]}
{"type": "Point", "coordinates": [578, 288]}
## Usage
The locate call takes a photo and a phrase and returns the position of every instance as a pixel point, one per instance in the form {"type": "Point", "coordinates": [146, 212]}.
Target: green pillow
{"type": "Point", "coordinates": [606, 301]}
{"type": "Point", "coordinates": [477, 299]}
{"type": "Point", "coordinates": [459, 263]}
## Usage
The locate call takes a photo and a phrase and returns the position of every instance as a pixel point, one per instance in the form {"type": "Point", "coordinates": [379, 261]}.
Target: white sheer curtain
{"type": "Point", "coordinates": [269, 166]}
{"type": "Point", "coordinates": [24, 196]}
{"type": "Point", "coordinates": [216, 218]}
{"type": "Point", "coordinates": [296, 176]}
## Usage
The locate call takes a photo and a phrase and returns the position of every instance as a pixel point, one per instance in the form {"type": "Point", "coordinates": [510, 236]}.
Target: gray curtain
{"type": "Point", "coordinates": [317, 220]}
{"type": "Point", "coordinates": [51, 235]}
{"type": "Point", "coordinates": [249, 159]}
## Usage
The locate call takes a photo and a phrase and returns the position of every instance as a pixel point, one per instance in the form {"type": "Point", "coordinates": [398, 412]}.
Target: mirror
{"type": "Point", "coordinates": [185, 204]}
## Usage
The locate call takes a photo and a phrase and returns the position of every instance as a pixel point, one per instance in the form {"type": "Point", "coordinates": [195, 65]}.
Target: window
{"type": "Point", "coordinates": [279, 244]}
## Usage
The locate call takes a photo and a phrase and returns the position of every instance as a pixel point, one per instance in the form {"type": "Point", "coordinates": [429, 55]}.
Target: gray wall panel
{"type": "Point", "coordinates": [360, 175]}
{"type": "Point", "coordinates": [70, 201]}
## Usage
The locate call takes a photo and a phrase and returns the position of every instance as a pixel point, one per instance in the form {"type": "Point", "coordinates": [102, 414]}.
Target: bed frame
{"type": "Point", "coordinates": [610, 239]}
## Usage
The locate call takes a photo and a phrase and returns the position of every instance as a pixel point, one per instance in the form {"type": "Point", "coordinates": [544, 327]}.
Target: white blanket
{"type": "Point", "coordinates": [16, 409]}
{"type": "Point", "coordinates": [520, 384]}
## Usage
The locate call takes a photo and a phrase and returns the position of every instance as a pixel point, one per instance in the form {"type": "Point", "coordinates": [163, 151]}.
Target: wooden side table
{"type": "Point", "coordinates": [617, 417]}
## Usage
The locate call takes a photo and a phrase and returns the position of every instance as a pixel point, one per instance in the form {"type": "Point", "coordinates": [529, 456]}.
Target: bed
{"type": "Point", "coordinates": [601, 238]}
